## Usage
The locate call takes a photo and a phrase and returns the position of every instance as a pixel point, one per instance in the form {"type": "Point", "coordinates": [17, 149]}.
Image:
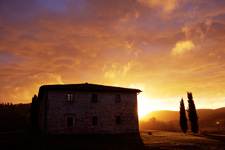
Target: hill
{"type": "Point", "coordinates": [210, 119]}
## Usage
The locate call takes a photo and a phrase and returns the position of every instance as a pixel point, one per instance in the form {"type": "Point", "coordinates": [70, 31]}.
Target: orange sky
{"type": "Point", "coordinates": [163, 47]}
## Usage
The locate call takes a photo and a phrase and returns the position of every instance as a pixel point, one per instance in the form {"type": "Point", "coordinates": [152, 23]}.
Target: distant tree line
{"type": "Point", "coordinates": [192, 115]}
{"type": "Point", "coordinates": [14, 116]}
{"type": "Point", "coordinates": [6, 107]}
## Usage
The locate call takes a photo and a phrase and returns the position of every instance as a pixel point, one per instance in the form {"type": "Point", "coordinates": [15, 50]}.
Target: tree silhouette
{"type": "Point", "coordinates": [34, 113]}
{"type": "Point", "coordinates": [183, 118]}
{"type": "Point", "coordinates": [192, 113]}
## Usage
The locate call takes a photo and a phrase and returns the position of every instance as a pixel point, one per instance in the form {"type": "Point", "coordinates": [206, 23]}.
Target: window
{"type": "Point", "coordinates": [94, 98]}
{"type": "Point", "coordinates": [118, 120]}
{"type": "Point", "coordinates": [69, 122]}
{"type": "Point", "coordinates": [118, 98]}
{"type": "Point", "coordinates": [69, 97]}
{"type": "Point", "coordinates": [94, 120]}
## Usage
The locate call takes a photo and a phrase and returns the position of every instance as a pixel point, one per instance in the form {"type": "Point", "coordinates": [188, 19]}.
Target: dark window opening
{"type": "Point", "coordinates": [94, 120]}
{"type": "Point", "coordinates": [118, 98]}
{"type": "Point", "coordinates": [70, 122]}
{"type": "Point", "coordinates": [118, 120]}
{"type": "Point", "coordinates": [94, 98]}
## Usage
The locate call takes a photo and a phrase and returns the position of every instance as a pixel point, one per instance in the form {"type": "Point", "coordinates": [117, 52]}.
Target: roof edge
{"type": "Point", "coordinates": [88, 85]}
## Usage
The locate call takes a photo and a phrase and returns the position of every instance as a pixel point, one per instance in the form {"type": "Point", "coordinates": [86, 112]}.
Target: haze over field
{"type": "Point", "coordinates": [165, 48]}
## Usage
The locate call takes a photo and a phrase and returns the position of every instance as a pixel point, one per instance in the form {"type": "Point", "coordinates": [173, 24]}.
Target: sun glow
{"type": "Point", "coordinates": [145, 106]}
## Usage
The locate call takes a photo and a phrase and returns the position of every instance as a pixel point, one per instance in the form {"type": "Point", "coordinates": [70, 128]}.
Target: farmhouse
{"type": "Point", "coordinates": [87, 109]}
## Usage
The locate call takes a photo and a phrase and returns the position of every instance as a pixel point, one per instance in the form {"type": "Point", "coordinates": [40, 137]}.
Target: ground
{"type": "Point", "coordinates": [178, 140]}
{"type": "Point", "coordinates": [151, 140]}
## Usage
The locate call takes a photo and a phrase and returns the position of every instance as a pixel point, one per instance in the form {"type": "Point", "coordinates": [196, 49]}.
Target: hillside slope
{"type": "Point", "coordinates": [165, 119]}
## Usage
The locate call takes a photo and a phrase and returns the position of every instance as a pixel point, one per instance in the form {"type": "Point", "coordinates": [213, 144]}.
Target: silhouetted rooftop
{"type": "Point", "coordinates": [87, 87]}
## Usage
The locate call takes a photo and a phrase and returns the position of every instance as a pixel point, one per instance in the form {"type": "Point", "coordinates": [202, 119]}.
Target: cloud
{"type": "Point", "coordinates": [166, 5]}
{"type": "Point", "coordinates": [113, 42]}
{"type": "Point", "coordinates": [183, 47]}
{"type": "Point", "coordinates": [198, 30]}
{"type": "Point", "coordinates": [115, 70]}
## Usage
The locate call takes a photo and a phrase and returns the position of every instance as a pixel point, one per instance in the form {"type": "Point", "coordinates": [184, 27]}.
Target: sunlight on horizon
{"type": "Point", "coordinates": [147, 105]}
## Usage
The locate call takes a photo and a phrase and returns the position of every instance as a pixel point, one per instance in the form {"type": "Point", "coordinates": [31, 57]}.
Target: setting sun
{"type": "Point", "coordinates": [147, 105]}
{"type": "Point", "coordinates": [144, 106]}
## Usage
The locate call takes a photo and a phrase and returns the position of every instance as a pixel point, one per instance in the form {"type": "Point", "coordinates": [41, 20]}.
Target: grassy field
{"type": "Point", "coordinates": [177, 140]}
{"type": "Point", "coordinates": [156, 140]}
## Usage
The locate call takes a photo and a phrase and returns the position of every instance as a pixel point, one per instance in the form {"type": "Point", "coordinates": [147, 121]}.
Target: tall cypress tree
{"type": "Point", "coordinates": [183, 118]}
{"type": "Point", "coordinates": [192, 113]}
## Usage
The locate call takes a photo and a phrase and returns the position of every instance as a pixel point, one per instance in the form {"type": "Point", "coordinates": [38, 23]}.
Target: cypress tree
{"type": "Point", "coordinates": [192, 113]}
{"type": "Point", "coordinates": [183, 118]}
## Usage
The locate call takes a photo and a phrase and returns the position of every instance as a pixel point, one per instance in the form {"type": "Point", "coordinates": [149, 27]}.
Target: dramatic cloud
{"type": "Point", "coordinates": [115, 42]}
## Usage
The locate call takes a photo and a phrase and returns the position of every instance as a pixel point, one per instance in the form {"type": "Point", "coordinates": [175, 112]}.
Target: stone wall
{"type": "Point", "coordinates": [82, 109]}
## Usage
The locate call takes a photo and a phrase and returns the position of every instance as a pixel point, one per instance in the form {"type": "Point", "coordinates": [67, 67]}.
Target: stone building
{"type": "Point", "coordinates": [87, 109]}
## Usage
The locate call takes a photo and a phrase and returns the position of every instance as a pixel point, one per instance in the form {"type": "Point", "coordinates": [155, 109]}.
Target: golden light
{"type": "Point", "coordinates": [183, 46]}
{"type": "Point", "coordinates": [145, 106]}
